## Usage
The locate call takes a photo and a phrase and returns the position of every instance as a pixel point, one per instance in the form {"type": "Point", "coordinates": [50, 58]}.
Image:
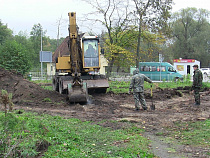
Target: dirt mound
{"type": "Point", "coordinates": [25, 91]}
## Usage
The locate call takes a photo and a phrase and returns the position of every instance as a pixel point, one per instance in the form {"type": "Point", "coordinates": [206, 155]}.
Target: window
{"type": "Point", "coordinates": [148, 68]}
{"type": "Point", "coordinates": [171, 69]}
{"type": "Point", "coordinates": [91, 56]}
{"type": "Point", "coordinates": [145, 68]}
{"type": "Point", "coordinates": [153, 68]}
{"type": "Point", "coordinates": [161, 68]}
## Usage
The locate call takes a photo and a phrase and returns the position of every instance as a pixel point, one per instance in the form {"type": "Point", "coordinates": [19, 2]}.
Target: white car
{"type": "Point", "coordinates": [205, 71]}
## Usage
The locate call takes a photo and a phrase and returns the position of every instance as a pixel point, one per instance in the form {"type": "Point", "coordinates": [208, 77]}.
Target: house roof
{"type": "Point", "coordinates": [62, 49]}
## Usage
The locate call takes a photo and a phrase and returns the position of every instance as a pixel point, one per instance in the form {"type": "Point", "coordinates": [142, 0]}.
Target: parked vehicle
{"type": "Point", "coordinates": [159, 71]}
{"type": "Point", "coordinates": [205, 71]}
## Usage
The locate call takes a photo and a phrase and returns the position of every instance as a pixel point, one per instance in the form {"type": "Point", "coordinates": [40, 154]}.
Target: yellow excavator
{"type": "Point", "coordinates": [78, 73]}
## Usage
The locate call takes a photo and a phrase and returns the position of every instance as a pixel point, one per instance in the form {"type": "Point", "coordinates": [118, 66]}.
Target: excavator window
{"type": "Point", "coordinates": [91, 56]}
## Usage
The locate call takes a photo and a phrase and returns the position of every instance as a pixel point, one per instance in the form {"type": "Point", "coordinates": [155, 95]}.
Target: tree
{"type": "Point", "coordinates": [14, 57]}
{"type": "Point", "coordinates": [153, 14]}
{"type": "Point", "coordinates": [191, 34]}
{"type": "Point", "coordinates": [114, 17]}
{"type": "Point", "coordinates": [35, 37]}
{"type": "Point", "coordinates": [5, 33]}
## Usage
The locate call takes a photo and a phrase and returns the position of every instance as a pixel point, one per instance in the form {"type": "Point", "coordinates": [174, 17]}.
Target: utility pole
{"type": "Point", "coordinates": [41, 57]}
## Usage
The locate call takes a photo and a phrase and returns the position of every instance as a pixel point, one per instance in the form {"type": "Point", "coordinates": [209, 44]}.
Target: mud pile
{"type": "Point", "coordinates": [25, 91]}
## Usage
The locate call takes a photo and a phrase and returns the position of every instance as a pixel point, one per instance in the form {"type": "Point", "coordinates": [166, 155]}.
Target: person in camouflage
{"type": "Point", "coordinates": [137, 84]}
{"type": "Point", "coordinates": [197, 84]}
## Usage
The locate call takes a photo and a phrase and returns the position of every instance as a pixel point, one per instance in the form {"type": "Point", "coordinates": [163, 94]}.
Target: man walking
{"type": "Point", "coordinates": [197, 84]}
{"type": "Point", "coordinates": [137, 84]}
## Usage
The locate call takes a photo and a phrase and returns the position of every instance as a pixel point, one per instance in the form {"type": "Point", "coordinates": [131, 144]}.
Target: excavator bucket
{"type": "Point", "coordinates": [78, 93]}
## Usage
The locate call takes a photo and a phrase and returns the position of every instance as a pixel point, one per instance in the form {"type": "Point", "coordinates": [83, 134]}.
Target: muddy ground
{"type": "Point", "coordinates": [171, 105]}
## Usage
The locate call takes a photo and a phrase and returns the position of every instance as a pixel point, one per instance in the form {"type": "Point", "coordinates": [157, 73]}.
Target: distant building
{"type": "Point", "coordinates": [185, 66]}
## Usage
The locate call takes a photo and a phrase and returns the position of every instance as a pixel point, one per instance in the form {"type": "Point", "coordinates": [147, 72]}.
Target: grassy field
{"type": "Point", "coordinates": [28, 134]}
{"type": "Point", "coordinates": [123, 87]}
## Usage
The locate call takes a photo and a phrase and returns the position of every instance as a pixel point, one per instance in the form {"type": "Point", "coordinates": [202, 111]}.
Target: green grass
{"type": "Point", "coordinates": [193, 133]}
{"type": "Point", "coordinates": [123, 86]}
{"type": "Point", "coordinates": [47, 87]}
{"type": "Point", "coordinates": [26, 133]}
{"type": "Point", "coordinates": [42, 81]}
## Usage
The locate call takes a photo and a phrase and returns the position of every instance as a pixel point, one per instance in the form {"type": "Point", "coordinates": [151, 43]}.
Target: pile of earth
{"type": "Point", "coordinates": [26, 92]}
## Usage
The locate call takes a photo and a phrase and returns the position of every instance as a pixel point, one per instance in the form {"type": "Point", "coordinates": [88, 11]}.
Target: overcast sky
{"type": "Point", "coordinates": [21, 15]}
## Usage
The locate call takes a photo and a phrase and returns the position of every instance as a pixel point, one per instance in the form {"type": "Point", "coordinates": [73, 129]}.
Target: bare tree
{"type": "Point", "coordinates": [114, 17]}
{"type": "Point", "coordinates": [153, 14]}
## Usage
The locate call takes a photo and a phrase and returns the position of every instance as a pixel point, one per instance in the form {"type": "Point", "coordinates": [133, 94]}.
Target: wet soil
{"type": "Point", "coordinates": [171, 105]}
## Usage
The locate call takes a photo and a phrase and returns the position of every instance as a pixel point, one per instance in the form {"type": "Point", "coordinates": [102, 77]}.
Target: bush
{"type": "Point", "coordinates": [14, 57]}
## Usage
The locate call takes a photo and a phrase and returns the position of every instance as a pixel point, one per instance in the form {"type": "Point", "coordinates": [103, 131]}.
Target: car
{"type": "Point", "coordinates": [205, 71]}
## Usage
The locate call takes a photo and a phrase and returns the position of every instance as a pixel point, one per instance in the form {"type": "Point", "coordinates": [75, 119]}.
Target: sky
{"type": "Point", "coordinates": [21, 15]}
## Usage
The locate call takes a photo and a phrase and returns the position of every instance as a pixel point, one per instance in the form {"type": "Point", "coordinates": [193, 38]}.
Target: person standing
{"type": "Point", "coordinates": [137, 84]}
{"type": "Point", "coordinates": [197, 84]}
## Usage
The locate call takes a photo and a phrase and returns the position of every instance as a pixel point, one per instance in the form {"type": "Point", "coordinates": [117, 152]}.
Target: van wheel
{"type": "Point", "coordinates": [176, 79]}
{"type": "Point", "coordinates": [205, 76]}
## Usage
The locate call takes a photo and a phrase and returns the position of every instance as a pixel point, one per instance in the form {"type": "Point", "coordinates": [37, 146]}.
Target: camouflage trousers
{"type": "Point", "coordinates": [197, 95]}
{"type": "Point", "coordinates": [139, 97]}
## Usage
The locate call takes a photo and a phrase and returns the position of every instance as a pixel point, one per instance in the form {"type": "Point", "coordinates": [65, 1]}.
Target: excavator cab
{"type": "Point", "coordinates": [91, 62]}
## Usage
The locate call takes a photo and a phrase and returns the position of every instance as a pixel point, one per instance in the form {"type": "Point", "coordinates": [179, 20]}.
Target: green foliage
{"type": "Point", "coordinates": [47, 100]}
{"type": "Point", "coordinates": [60, 137]}
{"type": "Point", "coordinates": [5, 33]}
{"type": "Point", "coordinates": [6, 99]}
{"type": "Point", "coordinates": [14, 57]}
{"type": "Point", "coordinates": [191, 34]}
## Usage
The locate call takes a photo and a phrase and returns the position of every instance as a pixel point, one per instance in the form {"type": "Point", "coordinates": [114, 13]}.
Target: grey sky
{"type": "Point", "coordinates": [21, 15]}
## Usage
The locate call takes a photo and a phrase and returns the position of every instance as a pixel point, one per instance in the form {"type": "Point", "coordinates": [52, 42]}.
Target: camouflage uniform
{"type": "Point", "coordinates": [137, 84]}
{"type": "Point", "coordinates": [197, 84]}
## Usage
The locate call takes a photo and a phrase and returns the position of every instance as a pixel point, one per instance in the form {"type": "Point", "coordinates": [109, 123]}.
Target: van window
{"type": "Point", "coordinates": [171, 69]}
{"type": "Point", "coordinates": [153, 68]}
{"type": "Point", "coordinates": [145, 68]}
{"type": "Point", "coordinates": [162, 68]}
{"type": "Point", "coordinates": [148, 68]}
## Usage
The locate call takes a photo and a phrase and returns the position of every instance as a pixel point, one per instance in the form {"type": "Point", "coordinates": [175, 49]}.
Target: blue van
{"type": "Point", "coordinates": [159, 71]}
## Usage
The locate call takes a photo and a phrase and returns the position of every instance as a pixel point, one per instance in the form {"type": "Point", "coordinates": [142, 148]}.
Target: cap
{"type": "Point", "coordinates": [195, 66]}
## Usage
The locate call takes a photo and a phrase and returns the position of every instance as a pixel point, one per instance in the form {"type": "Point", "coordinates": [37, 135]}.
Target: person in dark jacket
{"type": "Point", "coordinates": [137, 84]}
{"type": "Point", "coordinates": [197, 84]}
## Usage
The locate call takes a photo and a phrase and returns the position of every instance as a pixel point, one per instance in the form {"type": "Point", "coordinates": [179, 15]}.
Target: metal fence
{"type": "Point", "coordinates": [38, 76]}
{"type": "Point", "coordinates": [115, 76]}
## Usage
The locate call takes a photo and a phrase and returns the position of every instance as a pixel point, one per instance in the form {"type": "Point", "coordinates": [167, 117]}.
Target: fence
{"type": "Point", "coordinates": [115, 76]}
{"type": "Point", "coordinates": [154, 77]}
{"type": "Point", "coordinates": [37, 76]}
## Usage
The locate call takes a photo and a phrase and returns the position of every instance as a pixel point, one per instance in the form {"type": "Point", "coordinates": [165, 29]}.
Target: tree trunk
{"type": "Point", "coordinates": [110, 67]}
{"type": "Point", "coordinates": [138, 45]}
